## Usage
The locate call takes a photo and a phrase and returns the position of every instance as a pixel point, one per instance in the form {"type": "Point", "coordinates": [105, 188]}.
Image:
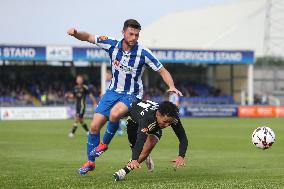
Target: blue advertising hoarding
{"type": "Point", "coordinates": [67, 53]}
{"type": "Point", "coordinates": [209, 111]}
{"type": "Point", "coordinates": [90, 54]}
{"type": "Point", "coordinates": [22, 53]}
{"type": "Point", "coordinates": [175, 56]}
{"type": "Point", "coordinates": [205, 56]}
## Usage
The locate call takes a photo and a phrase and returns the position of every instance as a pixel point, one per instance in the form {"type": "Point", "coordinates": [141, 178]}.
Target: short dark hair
{"type": "Point", "coordinates": [132, 24]}
{"type": "Point", "coordinates": [169, 109]}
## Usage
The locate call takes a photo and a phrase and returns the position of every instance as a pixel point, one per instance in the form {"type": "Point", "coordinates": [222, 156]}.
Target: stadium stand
{"type": "Point", "coordinates": [29, 88]}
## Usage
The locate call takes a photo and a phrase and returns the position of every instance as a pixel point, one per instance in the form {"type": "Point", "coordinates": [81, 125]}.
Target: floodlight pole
{"type": "Point", "coordinates": [103, 77]}
{"type": "Point", "coordinates": [274, 26]}
{"type": "Point", "coordinates": [250, 85]}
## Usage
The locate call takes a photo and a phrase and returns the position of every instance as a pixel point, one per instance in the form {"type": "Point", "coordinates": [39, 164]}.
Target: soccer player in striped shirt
{"type": "Point", "coordinates": [128, 59]}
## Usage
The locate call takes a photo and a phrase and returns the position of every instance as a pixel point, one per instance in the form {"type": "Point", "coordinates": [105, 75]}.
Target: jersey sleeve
{"type": "Point", "coordinates": [105, 42]}
{"type": "Point", "coordinates": [87, 90]}
{"type": "Point", "coordinates": [180, 133]}
{"type": "Point", "coordinates": [140, 140]}
{"type": "Point", "coordinates": [151, 60]}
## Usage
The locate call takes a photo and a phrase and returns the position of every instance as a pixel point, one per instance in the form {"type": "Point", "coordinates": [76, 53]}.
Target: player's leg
{"type": "Point", "coordinates": [74, 127]}
{"type": "Point", "coordinates": [84, 124]}
{"type": "Point", "coordinates": [81, 118]}
{"type": "Point", "coordinates": [100, 117]}
{"type": "Point", "coordinates": [94, 134]}
{"type": "Point", "coordinates": [120, 109]}
{"type": "Point", "coordinates": [93, 141]}
{"type": "Point", "coordinates": [95, 148]}
{"type": "Point", "coordinates": [131, 129]}
{"type": "Point", "coordinates": [149, 145]}
{"type": "Point", "coordinates": [116, 113]}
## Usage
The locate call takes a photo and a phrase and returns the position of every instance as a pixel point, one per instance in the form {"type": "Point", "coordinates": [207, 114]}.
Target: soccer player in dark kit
{"type": "Point", "coordinates": [144, 129]}
{"type": "Point", "coordinates": [80, 92]}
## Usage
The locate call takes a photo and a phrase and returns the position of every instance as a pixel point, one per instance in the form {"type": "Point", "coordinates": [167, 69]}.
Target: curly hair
{"type": "Point", "coordinates": [169, 109]}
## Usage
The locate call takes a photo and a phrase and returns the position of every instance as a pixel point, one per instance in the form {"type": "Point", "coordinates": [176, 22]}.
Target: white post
{"type": "Point", "coordinates": [103, 77]}
{"type": "Point", "coordinates": [243, 98]}
{"type": "Point", "coordinates": [250, 84]}
{"type": "Point", "coordinates": [210, 75]}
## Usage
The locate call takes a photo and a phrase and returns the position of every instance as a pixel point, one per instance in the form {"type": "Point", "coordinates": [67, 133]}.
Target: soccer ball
{"type": "Point", "coordinates": [263, 137]}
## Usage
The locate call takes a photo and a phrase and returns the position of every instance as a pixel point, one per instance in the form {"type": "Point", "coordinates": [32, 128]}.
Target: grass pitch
{"type": "Point", "coordinates": [38, 154]}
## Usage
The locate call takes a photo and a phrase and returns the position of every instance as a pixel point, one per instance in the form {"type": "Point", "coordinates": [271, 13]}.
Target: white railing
{"type": "Point", "coordinates": [271, 99]}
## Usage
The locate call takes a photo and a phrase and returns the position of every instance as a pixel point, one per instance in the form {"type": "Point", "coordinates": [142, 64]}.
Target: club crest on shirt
{"type": "Point", "coordinates": [150, 127]}
{"type": "Point", "coordinates": [103, 38]}
{"type": "Point", "coordinates": [116, 62]}
{"type": "Point", "coordinates": [145, 130]}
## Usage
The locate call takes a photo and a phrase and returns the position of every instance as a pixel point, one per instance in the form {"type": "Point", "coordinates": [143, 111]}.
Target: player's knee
{"type": "Point", "coordinates": [94, 128]}
{"type": "Point", "coordinates": [114, 116]}
{"type": "Point", "coordinates": [76, 120]}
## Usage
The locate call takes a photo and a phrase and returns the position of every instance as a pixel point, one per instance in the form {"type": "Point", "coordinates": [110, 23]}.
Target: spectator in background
{"type": "Point", "coordinates": [43, 98]}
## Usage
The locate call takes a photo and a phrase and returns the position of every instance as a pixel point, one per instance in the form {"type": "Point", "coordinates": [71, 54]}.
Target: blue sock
{"type": "Point", "coordinates": [110, 131]}
{"type": "Point", "coordinates": [93, 141]}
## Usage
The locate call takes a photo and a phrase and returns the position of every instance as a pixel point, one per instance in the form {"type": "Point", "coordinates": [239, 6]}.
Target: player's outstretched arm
{"type": "Point", "coordinates": [178, 162]}
{"type": "Point", "coordinates": [138, 147]}
{"type": "Point", "coordinates": [169, 81]}
{"type": "Point", "coordinates": [134, 164]}
{"type": "Point", "coordinates": [183, 144]}
{"type": "Point", "coordinates": [81, 35]}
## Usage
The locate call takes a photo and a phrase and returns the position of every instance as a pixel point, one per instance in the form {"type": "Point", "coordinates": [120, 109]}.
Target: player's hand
{"type": "Point", "coordinates": [178, 162]}
{"type": "Point", "coordinates": [174, 90]}
{"type": "Point", "coordinates": [72, 32]}
{"type": "Point", "coordinates": [133, 164]}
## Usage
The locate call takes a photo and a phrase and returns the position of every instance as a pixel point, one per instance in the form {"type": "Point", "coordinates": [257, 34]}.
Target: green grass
{"type": "Point", "coordinates": [38, 154]}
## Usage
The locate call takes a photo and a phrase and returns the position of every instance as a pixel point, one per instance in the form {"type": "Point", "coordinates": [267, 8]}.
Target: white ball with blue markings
{"type": "Point", "coordinates": [263, 137]}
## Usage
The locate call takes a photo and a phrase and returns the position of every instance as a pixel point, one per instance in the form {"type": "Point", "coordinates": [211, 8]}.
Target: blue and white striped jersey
{"type": "Point", "coordinates": [127, 67]}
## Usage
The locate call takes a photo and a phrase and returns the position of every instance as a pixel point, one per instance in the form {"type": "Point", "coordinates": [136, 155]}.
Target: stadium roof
{"type": "Point", "coordinates": [237, 25]}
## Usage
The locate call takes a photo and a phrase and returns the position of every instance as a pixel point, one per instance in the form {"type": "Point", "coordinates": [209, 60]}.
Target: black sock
{"type": "Point", "coordinates": [84, 125]}
{"type": "Point", "coordinates": [74, 128]}
{"type": "Point", "coordinates": [127, 169]}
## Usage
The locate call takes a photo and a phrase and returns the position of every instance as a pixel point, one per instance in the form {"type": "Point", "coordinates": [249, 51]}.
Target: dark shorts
{"type": "Point", "coordinates": [132, 129]}
{"type": "Point", "coordinates": [80, 111]}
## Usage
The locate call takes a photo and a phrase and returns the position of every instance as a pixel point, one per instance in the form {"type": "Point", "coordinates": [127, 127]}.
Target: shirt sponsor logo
{"type": "Point", "coordinates": [145, 130]}
{"type": "Point", "coordinates": [121, 67]}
